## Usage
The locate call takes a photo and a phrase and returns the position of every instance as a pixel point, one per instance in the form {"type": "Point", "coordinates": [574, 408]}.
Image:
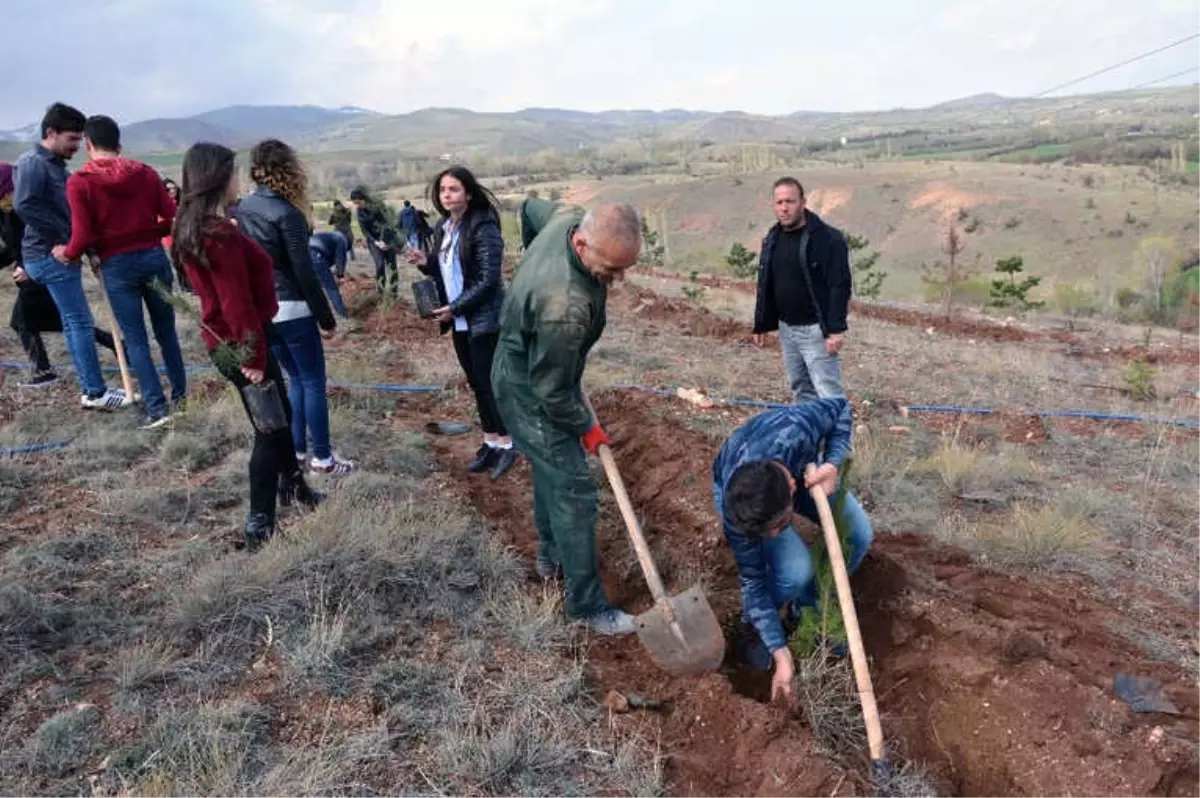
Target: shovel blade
{"type": "Point", "coordinates": [693, 644]}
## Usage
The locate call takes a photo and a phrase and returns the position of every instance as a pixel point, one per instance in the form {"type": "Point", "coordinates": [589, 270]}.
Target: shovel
{"type": "Point", "coordinates": [680, 632]}
{"type": "Point", "coordinates": [118, 341]}
{"type": "Point", "coordinates": [880, 768]}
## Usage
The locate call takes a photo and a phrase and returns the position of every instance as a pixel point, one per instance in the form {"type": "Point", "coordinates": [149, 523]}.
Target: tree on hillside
{"type": "Point", "coordinates": [653, 252]}
{"type": "Point", "coordinates": [742, 262]}
{"type": "Point", "coordinates": [1007, 292]}
{"type": "Point", "coordinates": [868, 280]}
{"type": "Point", "coordinates": [946, 276]}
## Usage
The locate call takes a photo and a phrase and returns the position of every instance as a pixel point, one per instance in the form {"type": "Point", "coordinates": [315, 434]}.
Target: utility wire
{"type": "Point", "coordinates": [1126, 62]}
{"type": "Point", "coordinates": [1164, 80]}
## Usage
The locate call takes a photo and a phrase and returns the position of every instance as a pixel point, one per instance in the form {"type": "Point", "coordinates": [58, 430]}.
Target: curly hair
{"type": "Point", "coordinates": [276, 166]}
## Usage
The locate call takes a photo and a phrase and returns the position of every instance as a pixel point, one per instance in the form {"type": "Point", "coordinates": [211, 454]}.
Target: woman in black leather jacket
{"type": "Point", "coordinates": [275, 216]}
{"type": "Point", "coordinates": [465, 258]}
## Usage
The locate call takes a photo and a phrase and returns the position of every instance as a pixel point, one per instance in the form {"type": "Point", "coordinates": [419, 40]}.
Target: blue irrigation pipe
{"type": "Point", "coordinates": [33, 448]}
{"type": "Point", "coordinates": [1088, 414]}
{"type": "Point", "coordinates": [352, 386]}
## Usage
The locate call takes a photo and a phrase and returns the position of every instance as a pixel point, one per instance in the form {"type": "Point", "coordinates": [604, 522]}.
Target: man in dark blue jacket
{"type": "Point", "coordinates": [328, 252]}
{"type": "Point", "coordinates": [758, 486]}
{"type": "Point", "coordinates": [804, 293]}
{"type": "Point", "coordinates": [40, 199]}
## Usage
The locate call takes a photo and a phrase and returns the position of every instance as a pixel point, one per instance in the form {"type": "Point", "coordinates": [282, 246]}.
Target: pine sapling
{"type": "Point", "coordinates": [822, 625]}
{"type": "Point", "coordinates": [228, 356]}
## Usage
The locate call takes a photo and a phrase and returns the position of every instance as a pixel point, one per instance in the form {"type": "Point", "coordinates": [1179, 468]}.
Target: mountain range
{"type": "Point", "coordinates": [432, 131]}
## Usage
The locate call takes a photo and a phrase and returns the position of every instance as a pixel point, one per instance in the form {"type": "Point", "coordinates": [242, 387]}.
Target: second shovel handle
{"type": "Point", "coordinates": [858, 655]}
{"type": "Point", "coordinates": [631, 523]}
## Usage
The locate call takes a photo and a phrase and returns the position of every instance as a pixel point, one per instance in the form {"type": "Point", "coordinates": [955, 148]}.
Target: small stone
{"type": "Point", "coordinates": [1022, 646]}
{"type": "Point", "coordinates": [1157, 735]}
{"type": "Point", "coordinates": [615, 702]}
{"type": "Point", "coordinates": [897, 429]}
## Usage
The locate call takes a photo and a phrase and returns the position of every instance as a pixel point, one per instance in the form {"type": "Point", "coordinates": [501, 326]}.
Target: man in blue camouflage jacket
{"type": "Point", "coordinates": [757, 479]}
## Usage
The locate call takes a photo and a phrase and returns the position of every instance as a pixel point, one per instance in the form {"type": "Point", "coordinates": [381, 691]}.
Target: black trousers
{"type": "Point", "coordinates": [36, 348]}
{"type": "Point", "coordinates": [475, 356]}
{"type": "Point", "coordinates": [385, 270]}
{"type": "Point", "coordinates": [273, 453]}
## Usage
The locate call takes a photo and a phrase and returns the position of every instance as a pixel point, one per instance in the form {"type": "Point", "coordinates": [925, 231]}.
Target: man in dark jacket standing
{"type": "Point", "coordinates": [552, 316]}
{"type": "Point", "coordinates": [339, 220]}
{"type": "Point", "coordinates": [40, 199]}
{"type": "Point", "coordinates": [804, 293]}
{"type": "Point", "coordinates": [381, 239]}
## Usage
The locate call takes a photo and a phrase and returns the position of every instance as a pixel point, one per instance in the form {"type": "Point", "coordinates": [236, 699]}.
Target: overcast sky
{"type": "Point", "coordinates": [137, 59]}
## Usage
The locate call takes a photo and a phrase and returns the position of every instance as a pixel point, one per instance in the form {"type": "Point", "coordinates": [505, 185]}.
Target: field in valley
{"type": "Point", "coordinates": [397, 641]}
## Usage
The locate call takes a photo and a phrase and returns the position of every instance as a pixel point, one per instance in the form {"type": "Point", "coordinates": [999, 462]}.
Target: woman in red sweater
{"type": "Point", "coordinates": [234, 279]}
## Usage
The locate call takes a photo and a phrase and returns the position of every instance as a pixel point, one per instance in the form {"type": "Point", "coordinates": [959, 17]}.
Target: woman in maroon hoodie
{"type": "Point", "coordinates": [234, 279]}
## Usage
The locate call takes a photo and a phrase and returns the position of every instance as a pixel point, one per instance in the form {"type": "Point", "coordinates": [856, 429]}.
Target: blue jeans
{"type": "Point", "coordinates": [127, 279]}
{"type": "Point", "coordinates": [297, 346]}
{"type": "Point", "coordinates": [812, 372]}
{"type": "Point", "coordinates": [324, 272]}
{"type": "Point", "coordinates": [65, 284]}
{"type": "Point", "coordinates": [791, 568]}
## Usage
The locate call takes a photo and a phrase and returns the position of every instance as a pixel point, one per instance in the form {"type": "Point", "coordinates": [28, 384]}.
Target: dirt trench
{"type": "Point", "coordinates": [995, 684]}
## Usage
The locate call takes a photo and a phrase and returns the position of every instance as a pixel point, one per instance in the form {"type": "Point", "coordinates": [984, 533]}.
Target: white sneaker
{"type": "Point", "coordinates": [611, 623]}
{"type": "Point", "coordinates": [111, 399]}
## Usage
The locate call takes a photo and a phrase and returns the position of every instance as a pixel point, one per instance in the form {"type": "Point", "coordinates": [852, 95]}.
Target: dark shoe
{"type": "Point", "coordinates": [484, 458]}
{"type": "Point", "coordinates": [294, 489]}
{"type": "Point", "coordinates": [505, 459]}
{"type": "Point", "coordinates": [259, 529]}
{"type": "Point", "coordinates": [753, 653]}
{"type": "Point", "coordinates": [154, 422]}
{"type": "Point", "coordinates": [43, 380]}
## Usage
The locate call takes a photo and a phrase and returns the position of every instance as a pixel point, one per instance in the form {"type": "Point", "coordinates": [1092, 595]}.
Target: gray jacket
{"type": "Point", "coordinates": [40, 199]}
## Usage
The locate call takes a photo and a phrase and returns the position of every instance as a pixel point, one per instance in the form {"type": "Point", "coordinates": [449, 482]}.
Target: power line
{"type": "Point", "coordinates": [1126, 62]}
{"type": "Point", "coordinates": [1164, 80]}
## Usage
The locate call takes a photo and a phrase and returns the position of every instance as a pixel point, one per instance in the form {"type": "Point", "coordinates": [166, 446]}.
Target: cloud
{"type": "Point", "coordinates": [136, 59]}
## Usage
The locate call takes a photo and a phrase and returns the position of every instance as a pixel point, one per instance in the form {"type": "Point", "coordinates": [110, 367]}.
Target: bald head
{"type": "Point", "coordinates": [609, 239]}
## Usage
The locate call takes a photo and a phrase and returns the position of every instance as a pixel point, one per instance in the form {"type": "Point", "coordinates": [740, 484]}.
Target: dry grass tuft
{"type": "Point", "coordinates": [1048, 538]}
{"type": "Point", "coordinates": [831, 707]}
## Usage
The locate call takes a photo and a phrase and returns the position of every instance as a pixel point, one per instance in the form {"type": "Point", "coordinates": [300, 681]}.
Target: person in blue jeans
{"type": "Point", "coordinates": [272, 217]}
{"type": "Point", "coordinates": [759, 485]}
{"type": "Point", "coordinates": [40, 200]}
{"type": "Point", "coordinates": [121, 210]}
{"type": "Point", "coordinates": [328, 253]}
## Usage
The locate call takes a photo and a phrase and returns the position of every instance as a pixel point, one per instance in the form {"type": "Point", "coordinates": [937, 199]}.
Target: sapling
{"type": "Point", "coordinates": [822, 624]}
{"type": "Point", "coordinates": [227, 356]}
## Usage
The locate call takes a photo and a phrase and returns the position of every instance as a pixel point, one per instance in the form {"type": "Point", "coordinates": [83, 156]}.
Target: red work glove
{"type": "Point", "coordinates": [594, 437]}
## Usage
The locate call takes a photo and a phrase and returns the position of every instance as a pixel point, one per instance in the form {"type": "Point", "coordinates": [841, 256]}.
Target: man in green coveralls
{"type": "Point", "coordinates": [552, 316]}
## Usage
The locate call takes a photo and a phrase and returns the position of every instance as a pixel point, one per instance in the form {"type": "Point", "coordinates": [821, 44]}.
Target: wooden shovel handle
{"type": "Point", "coordinates": [635, 528]}
{"type": "Point", "coordinates": [649, 569]}
{"type": "Point", "coordinates": [858, 655]}
{"type": "Point", "coordinates": [118, 341]}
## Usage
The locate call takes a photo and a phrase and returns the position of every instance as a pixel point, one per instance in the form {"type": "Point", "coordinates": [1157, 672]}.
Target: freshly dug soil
{"type": "Point", "coordinates": [996, 684]}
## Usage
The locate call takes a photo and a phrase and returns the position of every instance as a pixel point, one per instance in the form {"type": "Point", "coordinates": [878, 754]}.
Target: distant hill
{"type": "Point", "coordinates": [974, 101]}
{"type": "Point", "coordinates": [279, 120]}
{"type": "Point", "coordinates": [432, 132]}
{"type": "Point", "coordinates": [174, 135]}
{"type": "Point", "coordinates": [22, 134]}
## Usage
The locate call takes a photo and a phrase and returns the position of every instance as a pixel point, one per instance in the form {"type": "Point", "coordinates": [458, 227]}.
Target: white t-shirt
{"type": "Point", "coordinates": [452, 276]}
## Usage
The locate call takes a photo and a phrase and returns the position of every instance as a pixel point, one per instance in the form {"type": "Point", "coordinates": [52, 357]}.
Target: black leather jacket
{"type": "Point", "coordinates": [281, 229]}
{"type": "Point", "coordinates": [481, 255]}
